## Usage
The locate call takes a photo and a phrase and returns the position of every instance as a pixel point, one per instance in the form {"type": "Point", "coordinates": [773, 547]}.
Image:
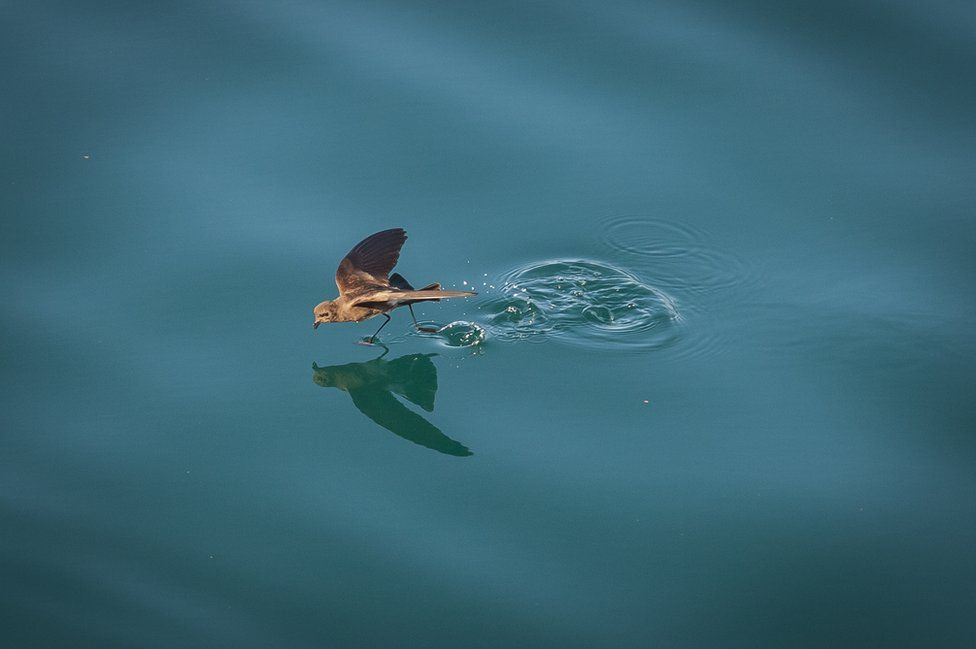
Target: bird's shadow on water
{"type": "Point", "coordinates": [372, 386]}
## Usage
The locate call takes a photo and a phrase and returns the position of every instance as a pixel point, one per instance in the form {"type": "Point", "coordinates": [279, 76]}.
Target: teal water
{"type": "Point", "coordinates": [764, 438]}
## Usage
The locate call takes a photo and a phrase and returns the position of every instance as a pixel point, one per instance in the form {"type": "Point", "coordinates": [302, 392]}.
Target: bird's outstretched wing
{"type": "Point", "coordinates": [369, 263]}
{"type": "Point", "coordinates": [392, 297]}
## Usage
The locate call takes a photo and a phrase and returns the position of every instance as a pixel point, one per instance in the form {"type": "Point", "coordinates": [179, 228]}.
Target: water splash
{"type": "Point", "coordinates": [462, 334]}
{"type": "Point", "coordinates": [459, 333]}
{"type": "Point", "coordinates": [582, 302]}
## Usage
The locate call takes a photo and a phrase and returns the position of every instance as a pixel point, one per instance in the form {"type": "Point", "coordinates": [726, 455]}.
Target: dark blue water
{"type": "Point", "coordinates": [716, 389]}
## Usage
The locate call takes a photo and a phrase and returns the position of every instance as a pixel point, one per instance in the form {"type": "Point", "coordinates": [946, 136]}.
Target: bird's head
{"type": "Point", "coordinates": [324, 312]}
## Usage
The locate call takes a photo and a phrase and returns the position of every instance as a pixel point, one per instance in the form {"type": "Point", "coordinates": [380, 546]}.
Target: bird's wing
{"type": "Point", "coordinates": [399, 281]}
{"type": "Point", "coordinates": [387, 296]}
{"type": "Point", "coordinates": [370, 261]}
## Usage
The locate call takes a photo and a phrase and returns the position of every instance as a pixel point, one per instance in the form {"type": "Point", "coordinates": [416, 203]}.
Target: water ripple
{"type": "Point", "coordinates": [677, 256]}
{"type": "Point", "coordinates": [583, 302]}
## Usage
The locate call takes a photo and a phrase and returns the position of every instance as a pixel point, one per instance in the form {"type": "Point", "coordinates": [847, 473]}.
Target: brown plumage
{"type": "Point", "coordinates": [366, 289]}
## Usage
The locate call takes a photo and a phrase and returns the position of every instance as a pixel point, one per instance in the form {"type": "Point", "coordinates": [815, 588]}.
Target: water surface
{"type": "Point", "coordinates": [772, 447]}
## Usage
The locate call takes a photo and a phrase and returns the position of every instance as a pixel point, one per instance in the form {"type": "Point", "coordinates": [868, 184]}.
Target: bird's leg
{"type": "Point", "coordinates": [429, 330]}
{"type": "Point", "coordinates": [372, 339]}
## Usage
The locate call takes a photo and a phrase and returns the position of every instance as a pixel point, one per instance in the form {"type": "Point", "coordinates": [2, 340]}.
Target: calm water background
{"type": "Point", "coordinates": [792, 465]}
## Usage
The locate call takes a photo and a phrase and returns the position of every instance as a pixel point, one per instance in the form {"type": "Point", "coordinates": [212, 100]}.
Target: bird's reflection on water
{"type": "Point", "coordinates": [372, 385]}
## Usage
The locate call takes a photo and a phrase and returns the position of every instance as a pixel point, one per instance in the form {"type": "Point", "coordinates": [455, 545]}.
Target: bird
{"type": "Point", "coordinates": [366, 289]}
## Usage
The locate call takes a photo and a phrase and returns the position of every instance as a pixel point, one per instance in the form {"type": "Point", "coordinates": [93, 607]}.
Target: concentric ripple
{"type": "Point", "coordinates": [582, 302]}
{"type": "Point", "coordinates": [709, 281]}
{"type": "Point", "coordinates": [677, 256]}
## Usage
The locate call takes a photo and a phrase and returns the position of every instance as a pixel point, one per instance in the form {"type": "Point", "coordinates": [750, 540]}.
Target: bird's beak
{"type": "Point", "coordinates": [315, 325]}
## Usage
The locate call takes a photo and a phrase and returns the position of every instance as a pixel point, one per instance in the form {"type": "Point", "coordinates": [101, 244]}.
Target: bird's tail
{"type": "Point", "coordinates": [425, 294]}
